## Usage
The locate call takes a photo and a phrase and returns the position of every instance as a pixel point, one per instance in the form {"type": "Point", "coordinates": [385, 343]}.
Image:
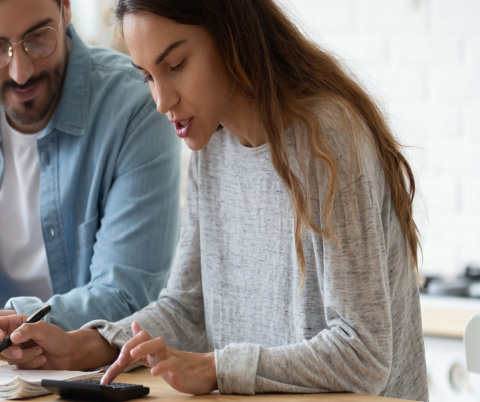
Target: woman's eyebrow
{"type": "Point", "coordinates": [167, 51]}
{"type": "Point", "coordinates": [164, 54]}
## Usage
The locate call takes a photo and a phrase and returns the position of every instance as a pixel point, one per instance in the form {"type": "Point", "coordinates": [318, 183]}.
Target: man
{"type": "Point", "coordinates": [89, 173]}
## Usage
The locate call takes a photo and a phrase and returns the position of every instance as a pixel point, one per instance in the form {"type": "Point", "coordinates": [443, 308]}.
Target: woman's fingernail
{"type": "Point", "coordinates": [17, 354]}
{"type": "Point", "coordinates": [38, 352]}
{"type": "Point", "coordinates": [42, 360]}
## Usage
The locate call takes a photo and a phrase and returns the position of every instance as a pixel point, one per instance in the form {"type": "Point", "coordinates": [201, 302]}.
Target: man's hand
{"type": "Point", "coordinates": [4, 313]}
{"type": "Point", "coordinates": [8, 324]}
{"type": "Point", "coordinates": [43, 345]}
{"type": "Point", "coordinates": [37, 345]}
{"type": "Point", "coordinates": [192, 373]}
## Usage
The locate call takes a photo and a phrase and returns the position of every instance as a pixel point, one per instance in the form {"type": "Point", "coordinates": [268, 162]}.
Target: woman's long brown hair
{"type": "Point", "coordinates": [286, 75]}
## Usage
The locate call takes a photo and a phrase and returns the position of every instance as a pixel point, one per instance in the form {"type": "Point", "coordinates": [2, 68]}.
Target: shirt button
{"type": "Point", "coordinates": [52, 232]}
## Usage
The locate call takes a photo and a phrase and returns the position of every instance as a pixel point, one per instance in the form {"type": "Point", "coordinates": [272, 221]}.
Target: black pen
{"type": "Point", "coordinates": [36, 316]}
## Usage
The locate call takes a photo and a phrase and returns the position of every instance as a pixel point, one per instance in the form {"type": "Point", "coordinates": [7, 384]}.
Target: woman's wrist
{"type": "Point", "coordinates": [89, 350]}
{"type": "Point", "coordinates": [212, 369]}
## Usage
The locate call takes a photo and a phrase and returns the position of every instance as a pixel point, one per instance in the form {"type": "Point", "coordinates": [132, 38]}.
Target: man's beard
{"type": "Point", "coordinates": [29, 113]}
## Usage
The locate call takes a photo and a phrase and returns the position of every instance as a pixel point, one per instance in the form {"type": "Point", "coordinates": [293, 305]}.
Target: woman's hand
{"type": "Point", "coordinates": [192, 373]}
{"type": "Point", "coordinates": [43, 345]}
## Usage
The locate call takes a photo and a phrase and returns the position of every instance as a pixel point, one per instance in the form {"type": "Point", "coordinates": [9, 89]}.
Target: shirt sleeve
{"type": "Point", "coordinates": [354, 353]}
{"type": "Point", "coordinates": [136, 231]}
{"type": "Point", "coordinates": [178, 314]}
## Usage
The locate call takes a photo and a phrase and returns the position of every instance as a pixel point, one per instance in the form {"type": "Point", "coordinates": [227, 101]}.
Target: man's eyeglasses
{"type": "Point", "coordinates": [38, 44]}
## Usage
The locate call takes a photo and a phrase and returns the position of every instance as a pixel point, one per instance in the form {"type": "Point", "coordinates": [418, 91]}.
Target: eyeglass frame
{"type": "Point", "coordinates": [25, 49]}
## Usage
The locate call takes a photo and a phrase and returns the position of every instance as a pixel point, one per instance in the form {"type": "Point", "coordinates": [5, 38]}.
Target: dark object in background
{"type": "Point", "coordinates": [465, 285]}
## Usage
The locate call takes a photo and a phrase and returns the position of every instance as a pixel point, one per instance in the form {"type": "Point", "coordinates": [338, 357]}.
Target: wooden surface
{"type": "Point", "coordinates": [441, 316]}
{"type": "Point", "coordinates": [447, 316]}
{"type": "Point", "coordinates": [161, 391]}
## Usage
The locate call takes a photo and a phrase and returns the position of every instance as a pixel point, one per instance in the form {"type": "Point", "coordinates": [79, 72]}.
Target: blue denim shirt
{"type": "Point", "coordinates": [109, 193]}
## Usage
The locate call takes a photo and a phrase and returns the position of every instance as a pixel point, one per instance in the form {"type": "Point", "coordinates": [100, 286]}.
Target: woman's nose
{"type": "Point", "coordinates": [165, 98]}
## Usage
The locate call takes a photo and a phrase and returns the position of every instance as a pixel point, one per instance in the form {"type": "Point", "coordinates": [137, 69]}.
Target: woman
{"type": "Point", "coordinates": [297, 264]}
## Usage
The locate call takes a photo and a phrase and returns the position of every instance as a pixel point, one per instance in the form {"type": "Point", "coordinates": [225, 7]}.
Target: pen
{"type": "Point", "coordinates": [36, 316]}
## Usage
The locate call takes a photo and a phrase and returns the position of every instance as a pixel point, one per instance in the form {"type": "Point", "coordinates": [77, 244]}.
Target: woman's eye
{"type": "Point", "coordinates": [178, 67]}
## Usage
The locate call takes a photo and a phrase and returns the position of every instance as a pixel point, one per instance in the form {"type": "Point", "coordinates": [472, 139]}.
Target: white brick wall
{"type": "Point", "coordinates": [421, 60]}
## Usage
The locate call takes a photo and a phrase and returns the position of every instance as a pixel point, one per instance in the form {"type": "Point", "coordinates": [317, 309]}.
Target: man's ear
{"type": "Point", "coordinates": [67, 12]}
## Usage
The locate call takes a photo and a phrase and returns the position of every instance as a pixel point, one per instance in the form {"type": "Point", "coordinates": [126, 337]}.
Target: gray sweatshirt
{"type": "Point", "coordinates": [235, 285]}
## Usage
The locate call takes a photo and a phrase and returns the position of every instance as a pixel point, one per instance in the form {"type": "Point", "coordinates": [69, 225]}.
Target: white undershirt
{"type": "Point", "coordinates": [22, 250]}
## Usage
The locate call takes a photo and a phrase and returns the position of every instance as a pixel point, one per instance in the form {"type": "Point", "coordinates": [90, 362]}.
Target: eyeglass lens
{"type": "Point", "coordinates": [38, 44]}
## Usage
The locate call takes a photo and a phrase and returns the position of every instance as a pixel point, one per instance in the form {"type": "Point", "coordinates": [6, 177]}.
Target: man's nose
{"type": "Point", "coordinates": [21, 66]}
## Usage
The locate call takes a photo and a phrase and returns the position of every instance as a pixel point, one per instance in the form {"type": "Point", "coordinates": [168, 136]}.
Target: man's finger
{"type": "Point", "coordinates": [36, 363]}
{"type": "Point", "coordinates": [37, 332]}
{"type": "Point", "coordinates": [10, 323]}
{"type": "Point", "coordinates": [16, 356]}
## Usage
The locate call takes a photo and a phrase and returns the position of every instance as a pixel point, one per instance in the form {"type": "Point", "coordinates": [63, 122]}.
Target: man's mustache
{"type": "Point", "coordinates": [10, 84]}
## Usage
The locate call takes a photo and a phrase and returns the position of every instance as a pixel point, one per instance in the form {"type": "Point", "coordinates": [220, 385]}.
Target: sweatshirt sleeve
{"type": "Point", "coordinates": [354, 352]}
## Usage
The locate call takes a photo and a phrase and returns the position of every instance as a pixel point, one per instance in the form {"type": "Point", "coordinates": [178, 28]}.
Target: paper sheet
{"type": "Point", "coordinates": [8, 373]}
{"type": "Point", "coordinates": [15, 383]}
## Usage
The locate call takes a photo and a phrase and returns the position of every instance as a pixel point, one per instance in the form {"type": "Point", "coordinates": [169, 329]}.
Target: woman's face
{"type": "Point", "coordinates": [185, 71]}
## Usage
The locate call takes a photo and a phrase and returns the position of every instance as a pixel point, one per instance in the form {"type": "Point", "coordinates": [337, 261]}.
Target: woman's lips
{"type": "Point", "coordinates": [182, 127]}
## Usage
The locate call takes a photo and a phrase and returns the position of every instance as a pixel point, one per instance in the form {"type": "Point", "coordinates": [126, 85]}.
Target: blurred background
{"type": "Point", "coordinates": [420, 59]}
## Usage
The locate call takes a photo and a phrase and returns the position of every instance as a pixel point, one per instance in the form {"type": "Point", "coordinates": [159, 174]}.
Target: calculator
{"type": "Point", "coordinates": [89, 390]}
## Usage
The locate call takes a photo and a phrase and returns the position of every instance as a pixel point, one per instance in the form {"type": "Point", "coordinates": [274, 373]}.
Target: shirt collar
{"type": "Point", "coordinates": [71, 113]}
